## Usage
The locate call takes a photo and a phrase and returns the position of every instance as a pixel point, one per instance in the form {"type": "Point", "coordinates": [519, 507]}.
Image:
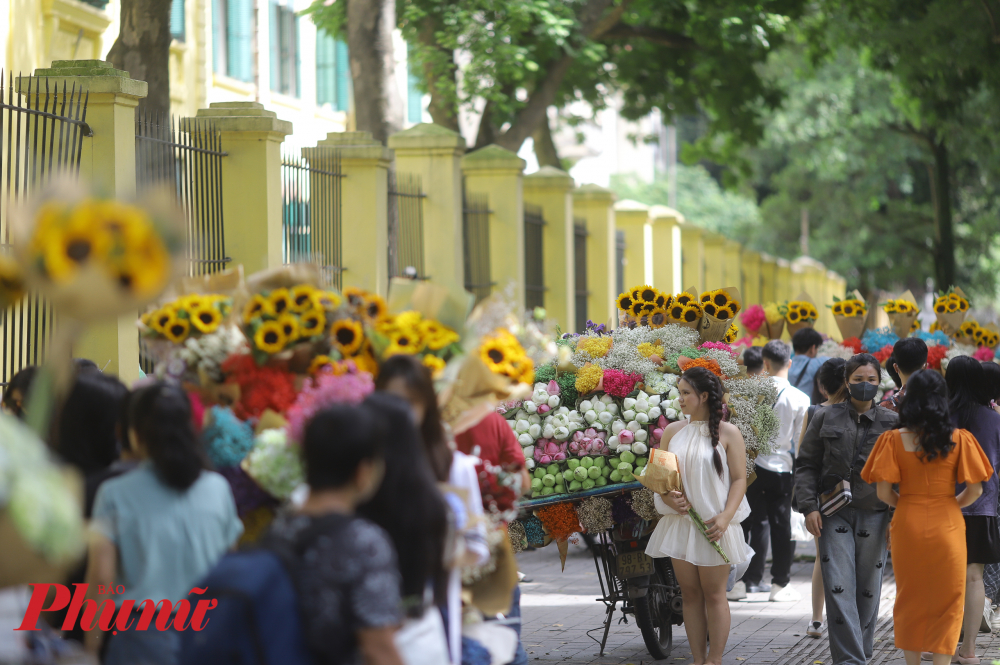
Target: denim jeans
{"type": "Point", "coordinates": [144, 647]}
{"type": "Point", "coordinates": [770, 499]}
{"type": "Point", "coordinates": [514, 621]}
{"type": "Point", "coordinates": [852, 555]}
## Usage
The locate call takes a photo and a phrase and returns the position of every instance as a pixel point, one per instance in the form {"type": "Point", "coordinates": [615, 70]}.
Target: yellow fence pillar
{"type": "Point", "coordinates": [433, 152]}
{"type": "Point", "coordinates": [751, 278]}
{"type": "Point", "coordinates": [784, 282]}
{"type": "Point", "coordinates": [108, 162]}
{"type": "Point", "coordinates": [693, 257]}
{"type": "Point", "coordinates": [594, 204]}
{"type": "Point", "coordinates": [715, 260]}
{"type": "Point", "coordinates": [251, 181]}
{"type": "Point", "coordinates": [733, 266]}
{"type": "Point", "coordinates": [632, 219]}
{"type": "Point", "coordinates": [549, 188]}
{"type": "Point", "coordinates": [499, 174]}
{"type": "Point", "coordinates": [768, 279]}
{"type": "Point", "coordinates": [668, 263]}
{"type": "Point", "coordinates": [364, 214]}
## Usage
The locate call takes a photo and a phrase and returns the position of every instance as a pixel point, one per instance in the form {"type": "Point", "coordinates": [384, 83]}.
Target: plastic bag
{"type": "Point", "coordinates": [799, 532]}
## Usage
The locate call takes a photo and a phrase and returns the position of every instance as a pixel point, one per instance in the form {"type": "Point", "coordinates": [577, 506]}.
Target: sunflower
{"type": "Point", "coordinates": [365, 362]}
{"type": "Point", "coordinates": [658, 318]}
{"type": "Point", "coordinates": [206, 319]}
{"type": "Point", "coordinates": [636, 293]}
{"type": "Point", "coordinates": [733, 308]}
{"type": "Point", "coordinates": [691, 314]}
{"type": "Point", "coordinates": [941, 307]}
{"type": "Point", "coordinates": [281, 301]}
{"type": "Point", "coordinates": [434, 364]}
{"type": "Point", "coordinates": [637, 308]}
{"type": "Point", "coordinates": [732, 333]}
{"type": "Point", "coordinates": [723, 313]}
{"type": "Point", "coordinates": [720, 298]}
{"type": "Point", "coordinates": [709, 308]}
{"type": "Point", "coordinates": [302, 298]}
{"type": "Point", "coordinates": [436, 335]}
{"type": "Point", "coordinates": [258, 305]}
{"type": "Point", "coordinates": [706, 297]}
{"type": "Point", "coordinates": [979, 335]}
{"type": "Point", "coordinates": [954, 296]}
{"type": "Point", "coordinates": [849, 309]}
{"type": "Point", "coordinates": [270, 337]}
{"type": "Point", "coordinates": [147, 319]}
{"type": "Point", "coordinates": [915, 326]}
{"type": "Point", "coordinates": [327, 300]}
{"type": "Point", "coordinates": [793, 315]}
{"type": "Point", "coordinates": [405, 342]}
{"type": "Point", "coordinates": [498, 350]}
{"type": "Point", "coordinates": [625, 302]}
{"type": "Point", "coordinates": [890, 307]}
{"type": "Point", "coordinates": [67, 241]}
{"type": "Point", "coordinates": [319, 362]}
{"type": "Point", "coordinates": [838, 309]}
{"type": "Point", "coordinates": [289, 326]}
{"type": "Point", "coordinates": [648, 294]}
{"type": "Point", "coordinates": [684, 299]}
{"type": "Point", "coordinates": [953, 306]}
{"type": "Point", "coordinates": [347, 335]}
{"type": "Point", "coordinates": [355, 296]}
{"type": "Point", "coordinates": [160, 318]}
{"type": "Point", "coordinates": [312, 323]}
{"type": "Point", "coordinates": [676, 312]}
{"type": "Point", "coordinates": [662, 300]}
{"type": "Point", "coordinates": [176, 329]}
{"type": "Point", "coordinates": [374, 307]}
{"type": "Point", "coordinates": [963, 304]}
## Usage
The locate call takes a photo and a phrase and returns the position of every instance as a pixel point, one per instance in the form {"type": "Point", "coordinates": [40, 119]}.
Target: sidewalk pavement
{"type": "Point", "coordinates": [560, 608]}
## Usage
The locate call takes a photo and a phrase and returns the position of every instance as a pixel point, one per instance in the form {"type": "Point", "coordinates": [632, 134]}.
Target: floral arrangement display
{"type": "Point", "coordinates": [278, 319]}
{"type": "Point", "coordinates": [950, 309]}
{"type": "Point", "coordinates": [750, 402]}
{"type": "Point", "coordinates": [720, 304]}
{"type": "Point", "coordinates": [409, 333]}
{"type": "Point", "coordinates": [753, 319]}
{"type": "Point", "coordinates": [903, 313]}
{"type": "Point", "coordinates": [801, 313]}
{"type": "Point", "coordinates": [503, 354]}
{"type": "Point", "coordinates": [274, 464]}
{"type": "Point", "coordinates": [326, 389]}
{"type": "Point", "coordinates": [775, 314]}
{"type": "Point", "coordinates": [850, 308]}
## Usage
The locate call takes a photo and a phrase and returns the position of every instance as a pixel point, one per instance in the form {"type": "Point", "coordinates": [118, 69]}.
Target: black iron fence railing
{"type": "Point", "coordinates": [580, 271]}
{"type": "Point", "coordinates": [406, 226]}
{"type": "Point", "coordinates": [41, 134]}
{"type": "Point", "coordinates": [534, 257]}
{"type": "Point", "coordinates": [311, 211]}
{"type": "Point", "coordinates": [476, 245]}
{"type": "Point", "coordinates": [187, 156]}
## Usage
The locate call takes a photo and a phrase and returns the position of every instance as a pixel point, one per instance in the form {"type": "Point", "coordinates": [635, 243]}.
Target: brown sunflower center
{"type": "Point", "coordinates": [280, 305]}
{"type": "Point", "coordinates": [690, 315]}
{"type": "Point", "coordinates": [125, 280]}
{"type": "Point", "coordinates": [345, 336]}
{"type": "Point", "coordinates": [271, 337]}
{"type": "Point", "coordinates": [677, 311]}
{"type": "Point", "coordinates": [648, 295]}
{"type": "Point", "coordinates": [722, 315]}
{"type": "Point", "coordinates": [206, 317]}
{"type": "Point", "coordinates": [78, 250]}
{"type": "Point", "coordinates": [721, 299]}
{"type": "Point", "coordinates": [288, 328]}
{"type": "Point", "coordinates": [403, 341]}
{"type": "Point", "coordinates": [373, 310]}
{"type": "Point", "coordinates": [177, 329]}
{"type": "Point", "coordinates": [626, 303]}
{"type": "Point", "coordinates": [496, 355]}
{"type": "Point", "coordinates": [302, 299]}
{"type": "Point", "coordinates": [162, 321]}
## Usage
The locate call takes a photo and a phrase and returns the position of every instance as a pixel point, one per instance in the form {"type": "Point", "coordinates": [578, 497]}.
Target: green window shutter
{"type": "Point", "coordinates": [239, 24]}
{"type": "Point", "coordinates": [274, 44]}
{"type": "Point", "coordinates": [219, 35]}
{"type": "Point", "coordinates": [297, 63]}
{"type": "Point", "coordinates": [343, 84]}
{"type": "Point", "coordinates": [414, 97]}
{"type": "Point", "coordinates": [177, 20]}
{"type": "Point", "coordinates": [326, 62]}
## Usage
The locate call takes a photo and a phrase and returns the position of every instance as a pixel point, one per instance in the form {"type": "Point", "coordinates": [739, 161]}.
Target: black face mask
{"type": "Point", "coordinates": [863, 392]}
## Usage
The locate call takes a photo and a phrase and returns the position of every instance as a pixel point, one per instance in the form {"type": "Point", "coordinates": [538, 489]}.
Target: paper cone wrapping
{"type": "Point", "coordinates": [795, 327]}
{"type": "Point", "coordinates": [694, 325]}
{"type": "Point", "coordinates": [492, 595]}
{"type": "Point", "coordinates": [993, 330]}
{"type": "Point", "coordinates": [774, 330]}
{"type": "Point", "coordinates": [475, 393]}
{"type": "Point", "coordinates": [662, 472]}
{"type": "Point", "coordinates": [951, 322]}
{"type": "Point", "coordinates": [852, 326]}
{"type": "Point", "coordinates": [625, 320]}
{"type": "Point", "coordinates": [901, 323]}
{"type": "Point", "coordinates": [434, 301]}
{"type": "Point", "coordinates": [713, 329]}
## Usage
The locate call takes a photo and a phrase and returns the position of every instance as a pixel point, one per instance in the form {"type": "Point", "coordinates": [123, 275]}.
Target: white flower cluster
{"type": "Point", "coordinates": [727, 363]}
{"type": "Point", "coordinates": [675, 337]}
{"type": "Point", "coordinates": [204, 354]}
{"type": "Point", "coordinates": [599, 412]}
{"type": "Point", "coordinates": [885, 383]}
{"type": "Point", "coordinates": [956, 351]}
{"type": "Point", "coordinates": [751, 409]}
{"type": "Point", "coordinates": [832, 349]}
{"type": "Point", "coordinates": [629, 433]}
{"type": "Point", "coordinates": [660, 383]}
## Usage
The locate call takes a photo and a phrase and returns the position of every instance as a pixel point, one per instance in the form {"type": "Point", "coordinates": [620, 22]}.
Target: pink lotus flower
{"type": "Point", "coordinates": [578, 435]}
{"type": "Point", "coordinates": [590, 433]}
{"type": "Point", "coordinates": [551, 448]}
{"type": "Point", "coordinates": [545, 459]}
{"type": "Point", "coordinates": [553, 388]}
{"type": "Point", "coordinates": [662, 422]}
{"type": "Point", "coordinates": [575, 447]}
{"type": "Point", "coordinates": [559, 457]}
{"type": "Point", "coordinates": [626, 436]}
{"type": "Point", "coordinates": [657, 434]}
{"type": "Point", "coordinates": [544, 408]}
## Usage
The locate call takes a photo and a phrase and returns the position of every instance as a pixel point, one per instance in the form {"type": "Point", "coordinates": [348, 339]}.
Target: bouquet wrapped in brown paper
{"type": "Point", "coordinates": [902, 313]}
{"type": "Point", "coordinates": [719, 310]}
{"type": "Point", "coordinates": [685, 309]}
{"type": "Point", "coordinates": [950, 309]}
{"type": "Point", "coordinates": [802, 313]}
{"type": "Point", "coordinates": [662, 474]}
{"type": "Point", "coordinates": [850, 314]}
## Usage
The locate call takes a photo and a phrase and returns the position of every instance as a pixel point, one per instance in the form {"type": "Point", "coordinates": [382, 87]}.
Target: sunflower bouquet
{"type": "Point", "coordinates": [969, 333]}
{"type": "Point", "coordinates": [719, 309]}
{"type": "Point", "coordinates": [989, 336]}
{"type": "Point", "coordinates": [643, 305]}
{"type": "Point", "coordinates": [276, 320]}
{"type": "Point", "coordinates": [685, 309]}
{"type": "Point", "coordinates": [802, 313]}
{"type": "Point", "coordinates": [409, 333]}
{"type": "Point", "coordinates": [503, 354]}
{"type": "Point", "coordinates": [950, 309]}
{"type": "Point", "coordinates": [850, 315]}
{"type": "Point", "coordinates": [903, 313]}
{"type": "Point", "coordinates": [774, 319]}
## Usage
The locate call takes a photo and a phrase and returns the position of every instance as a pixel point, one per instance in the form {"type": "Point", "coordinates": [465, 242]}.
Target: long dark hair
{"type": "Point", "coordinates": [924, 410]}
{"type": "Point", "coordinates": [408, 504]}
{"type": "Point", "coordinates": [160, 415]}
{"type": "Point", "coordinates": [420, 385]}
{"type": "Point", "coordinates": [704, 381]}
{"type": "Point", "coordinates": [86, 432]}
{"type": "Point", "coordinates": [966, 382]}
{"type": "Point", "coordinates": [991, 380]}
{"type": "Point", "coordinates": [831, 377]}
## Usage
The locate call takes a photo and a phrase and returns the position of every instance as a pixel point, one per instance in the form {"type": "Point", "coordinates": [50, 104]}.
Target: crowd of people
{"type": "Point", "coordinates": [371, 557]}
{"type": "Point", "coordinates": [912, 476]}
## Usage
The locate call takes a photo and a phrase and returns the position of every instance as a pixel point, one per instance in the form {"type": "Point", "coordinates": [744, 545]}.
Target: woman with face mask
{"type": "Point", "coordinates": [843, 511]}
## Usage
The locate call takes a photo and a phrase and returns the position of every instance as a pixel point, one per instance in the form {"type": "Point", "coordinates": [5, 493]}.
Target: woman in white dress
{"type": "Point", "coordinates": [712, 460]}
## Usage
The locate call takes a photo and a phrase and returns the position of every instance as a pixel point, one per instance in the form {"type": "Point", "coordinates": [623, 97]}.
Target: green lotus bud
{"type": "Point", "coordinates": [627, 456]}
{"type": "Point", "coordinates": [606, 472]}
{"type": "Point", "coordinates": [536, 484]}
{"type": "Point", "coordinates": [593, 473]}
{"type": "Point", "coordinates": [553, 469]}
{"type": "Point", "coordinates": [587, 462]}
{"type": "Point", "coordinates": [567, 475]}
{"type": "Point", "coordinates": [625, 467]}
{"type": "Point", "coordinates": [573, 463]}
{"type": "Point", "coordinates": [601, 482]}
{"type": "Point", "coordinates": [547, 491]}
{"type": "Point", "coordinates": [641, 462]}
{"type": "Point", "coordinates": [600, 462]}
{"type": "Point", "coordinates": [588, 484]}
{"type": "Point", "coordinates": [575, 486]}
{"type": "Point", "coordinates": [616, 476]}
{"type": "Point", "coordinates": [549, 480]}
{"type": "Point", "coordinates": [539, 472]}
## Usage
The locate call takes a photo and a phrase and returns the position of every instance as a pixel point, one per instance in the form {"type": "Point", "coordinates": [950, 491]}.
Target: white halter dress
{"type": "Point", "coordinates": [676, 536]}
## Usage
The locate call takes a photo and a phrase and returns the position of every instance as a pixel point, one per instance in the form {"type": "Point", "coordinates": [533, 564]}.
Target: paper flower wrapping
{"type": "Point", "coordinates": [274, 464]}
{"type": "Point", "coordinates": [325, 390]}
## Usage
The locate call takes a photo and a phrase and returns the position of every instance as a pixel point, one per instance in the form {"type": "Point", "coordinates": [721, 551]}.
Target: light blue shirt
{"type": "Point", "coordinates": [167, 539]}
{"type": "Point", "coordinates": [803, 371]}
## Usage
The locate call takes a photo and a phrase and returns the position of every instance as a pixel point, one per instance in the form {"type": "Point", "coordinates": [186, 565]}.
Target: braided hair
{"type": "Point", "coordinates": [704, 381]}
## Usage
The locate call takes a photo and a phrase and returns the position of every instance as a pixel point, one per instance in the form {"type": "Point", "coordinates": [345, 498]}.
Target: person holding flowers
{"type": "Point", "coordinates": [712, 460]}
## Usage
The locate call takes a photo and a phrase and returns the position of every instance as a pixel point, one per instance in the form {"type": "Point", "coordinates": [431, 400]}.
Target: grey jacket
{"type": "Point", "coordinates": [832, 449]}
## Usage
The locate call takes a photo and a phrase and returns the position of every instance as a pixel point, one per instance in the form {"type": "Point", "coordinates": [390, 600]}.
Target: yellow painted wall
{"type": "Point", "coordinates": [668, 263]}
{"type": "Point", "coordinates": [551, 189]}
{"type": "Point", "coordinates": [595, 205]}
{"type": "Point", "coordinates": [693, 257]}
{"type": "Point", "coordinates": [632, 218]}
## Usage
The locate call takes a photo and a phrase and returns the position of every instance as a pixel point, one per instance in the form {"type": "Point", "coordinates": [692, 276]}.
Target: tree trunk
{"type": "Point", "coordinates": [442, 81]}
{"type": "Point", "coordinates": [487, 134]}
{"type": "Point", "coordinates": [944, 235]}
{"type": "Point", "coordinates": [378, 106]}
{"type": "Point", "coordinates": [545, 149]}
{"type": "Point", "coordinates": [143, 50]}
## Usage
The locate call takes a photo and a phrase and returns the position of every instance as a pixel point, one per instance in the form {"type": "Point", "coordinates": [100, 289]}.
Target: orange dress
{"type": "Point", "coordinates": [928, 537]}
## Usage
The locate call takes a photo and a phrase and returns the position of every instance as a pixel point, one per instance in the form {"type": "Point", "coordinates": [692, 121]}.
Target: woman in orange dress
{"type": "Point", "coordinates": [926, 456]}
